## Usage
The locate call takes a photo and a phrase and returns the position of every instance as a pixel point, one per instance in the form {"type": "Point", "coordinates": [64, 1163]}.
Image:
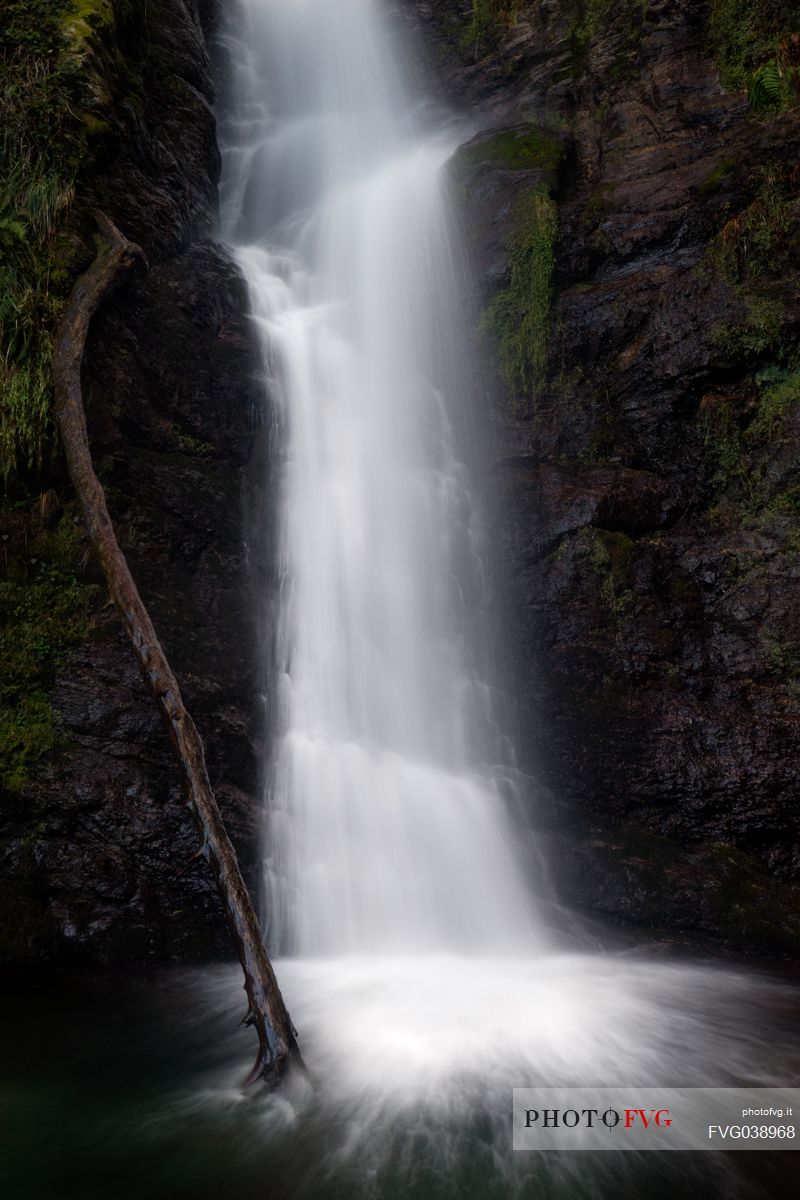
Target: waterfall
{"type": "Point", "coordinates": [386, 831]}
{"type": "Point", "coordinates": [401, 896]}
{"type": "Point", "coordinates": [416, 964]}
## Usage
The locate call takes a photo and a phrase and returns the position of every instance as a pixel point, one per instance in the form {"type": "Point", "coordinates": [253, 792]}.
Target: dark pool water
{"type": "Point", "coordinates": [116, 1086]}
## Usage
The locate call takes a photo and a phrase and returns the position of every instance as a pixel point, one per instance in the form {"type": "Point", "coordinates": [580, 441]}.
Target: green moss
{"type": "Point", "coordinates": [755, 45]}
{"type": "Point", "coordinates": [520, 150]}
{"type": "Point", "coordinates": [585, 27]}
{"type": "Point", "coordinates": [780, 394]}
{"type": "Point", "coordinates": [26, 733]}
{"type": "Point", "coordinates": [599, 204]}
{"type": "Point", "coordinates": [741, 442]}
{"type": "Point", "coordinates": [755, 254]}
{"type": "Point", "coordinates": [45, 606]}
{"type": "Point", "coordinates": [756, 333]}
{"type": "Point", "coordinates": [722, 439]}
{"type": "Point", "coordinates": [710, 887]}
{"type": "Point", "coordinates": [749, 905]}
{"type": "Point", "coordinates": [484, 19]}
{"type": "Point", "coordinates": [755, 241]}
{"type": "Point", "coordinates": [45, 127]}
{"type": "Point", "coordinates": [192, 445]}
{"type": "Point", "coordinates": [595, 17]}
{"type": "Point", "coordinates": [619, 548]}
{"type": "Point", "coordinates": [519, 317]}
{"type": "Point", "coordinates": [610, 556]}
{"type": "Point", "coordinates": [773, 651]}
{"type": "Point", "coordinates": [605, 445]}
{"type": "Point", "coordinates": [783, 504]}
{"type": "Point", "coordinates": [721, 173]}
{"type": "Point", "coordinates": [81, 19]}
{"type": "Point", "coordinates": [601, 244]}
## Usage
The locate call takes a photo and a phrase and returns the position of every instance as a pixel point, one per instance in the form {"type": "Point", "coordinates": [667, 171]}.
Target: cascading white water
{"type": "Point", "coordinates": [384, 834]}
{"type": "Point", "coordinates": [419, 968]}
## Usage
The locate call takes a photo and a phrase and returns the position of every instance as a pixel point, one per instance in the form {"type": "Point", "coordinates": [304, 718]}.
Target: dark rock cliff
{"type": "Point", "coordinates": [644, 479]}
{"type": "Point", "coordinates": [95, 840]}
{"type": "Point", "coordinates": [633, 225]}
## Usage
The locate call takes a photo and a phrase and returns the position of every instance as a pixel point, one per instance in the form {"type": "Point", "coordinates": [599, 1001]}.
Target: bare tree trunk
{"type": "Point", "coordinates": [266, 1010]}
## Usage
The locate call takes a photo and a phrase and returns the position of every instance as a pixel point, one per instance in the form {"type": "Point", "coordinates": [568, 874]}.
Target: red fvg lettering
{"type": "Point", "coordinates": [658, 1116]}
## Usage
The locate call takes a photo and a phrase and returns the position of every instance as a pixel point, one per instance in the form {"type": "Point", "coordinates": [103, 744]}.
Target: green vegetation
{"type": "Point", "coordinates": [519, 317]}
{"type": "Point", "coordinates": [742, 445]}
{"type": "Point", "coordinates": [755, 254]}
{"type": "Point", "coordinates": [45, 129]}
{"type": "Point", "coordinates": [45, 608]}
{"type": "Point", "coordinates": [603, 446]}
{"type": "Point", "coordinates": [780, 393]}
{"type": "Point", "coordinates": [750, 244]}
{"type": "Point", "coordinates": [595, 16]}
{"type": "Point", "coordinates": [586, 26]}
{"type": "Point", "coordinates": [610, 556]}
{"type": "Point", "coordinates": [518, 149]}
{"type": "Point", "coordinates": [784, 659]}
{"type": "Point", "coordinates": [27, 732]}
{"type": "Point", "coordinates": [81, 18]}
{"type": "Point", "coordinates": [757, 50]}
{"type": "Point", "coordinates": [721, 173]}
{"type": "Point", "coordinates": [485, 16]}
{"type": "Point", "coordinates": [754, 335]}
{"type": "Point", "coordinates": [743, 424]}
{"type": "Point", "coordinates": [189, 444]}
{"type": "Point", "coordinates": [722, 438]}
{"type": "Point", "coordinates": [595, 212]}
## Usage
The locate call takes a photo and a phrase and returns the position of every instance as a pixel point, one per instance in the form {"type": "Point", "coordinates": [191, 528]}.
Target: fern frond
{"type": "Point", "coordinates": [768, 86]}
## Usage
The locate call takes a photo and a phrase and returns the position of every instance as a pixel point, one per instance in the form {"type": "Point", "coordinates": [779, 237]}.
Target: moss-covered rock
{"type": "Point", "coordinates": [518, 318]}
{"type": "Point", "coordinates": [43, 142]}
{"type": "Point", "coordinates": [82, 18]}
{"type": "Point", "coordinates": [85, 84]}
{"type": "Point", "coordinates": [522, 149]}
{"type": "Point", "coordinates": [46, 602]}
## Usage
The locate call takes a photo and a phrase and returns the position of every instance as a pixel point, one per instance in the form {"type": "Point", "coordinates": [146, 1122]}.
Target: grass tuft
{"type": "Point", "coordinates": [45, 94]}
{"type": "Point", "coordinates": [519, 317]}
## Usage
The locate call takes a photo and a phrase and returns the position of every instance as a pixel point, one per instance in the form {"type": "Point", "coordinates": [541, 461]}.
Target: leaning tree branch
{"type": "Point", "coordinates": [266, 1010]}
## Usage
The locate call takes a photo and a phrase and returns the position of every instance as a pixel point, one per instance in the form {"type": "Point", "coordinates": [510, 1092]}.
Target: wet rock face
{"type": "Point", "coordinates": [96, 850]}
{"type": "Point", "coordinates": [159, 162]}
{"type": "Point", "coordinates": [642, 488]}
{"type": "Point", "coordinates": [102, 831]}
